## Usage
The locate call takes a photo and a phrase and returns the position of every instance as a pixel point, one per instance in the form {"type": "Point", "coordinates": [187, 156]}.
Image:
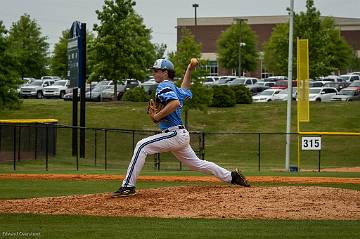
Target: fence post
{"type": "Point", "coordinates": [157, 161]}
{"type": "Point", "coordinates": [19, 144]}
{"type": "Point", "coordinates": [35, 143]}
{"type": "Point", "coordinates": [319, 160]}
{"type": "Point", "coordinates": [14, 148]}
{"type": "Point", "coordinates": [259, 151]}
{"type": "Point", "coordinates": [0, 136]}
{"type": "Point", "coordinates": [105, 149]}
{"type": "Point", "coordinates": [47, 147]}
{"type": "Point", "coordinates": [95, 147]}
{"type": "Point", "coordinates": [203, 145]}
{"type": "Point", "coordinates": [75, 146]}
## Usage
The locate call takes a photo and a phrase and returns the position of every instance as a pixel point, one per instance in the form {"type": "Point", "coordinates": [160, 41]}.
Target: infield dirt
{"type": "Point", "coordinates": [278, 202]}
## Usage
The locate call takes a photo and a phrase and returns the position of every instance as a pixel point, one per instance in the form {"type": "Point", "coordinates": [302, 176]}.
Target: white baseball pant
{"type": "Point", "coordinates": [177, 141]}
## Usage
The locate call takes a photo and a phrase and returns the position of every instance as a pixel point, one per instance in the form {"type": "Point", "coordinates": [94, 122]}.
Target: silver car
{"type": "Point", "coordinates": [96, 93]}
{"type": "Point", "coordinates": [58, 89]}
{"type": "Point", "coordinates": [347, 94]}
{"type": "Point", "coordinates": [320, 94]}
{"type": "Point", "coordinates": [35, 88]}
{"type": "Point", "coordinates": [242, 81]}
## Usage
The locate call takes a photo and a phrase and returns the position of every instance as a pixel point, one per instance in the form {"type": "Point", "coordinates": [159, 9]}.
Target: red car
{"type": "Point", "coordinates": [283, 84]}
{"type": "Point", "coordinates": [355, 84]}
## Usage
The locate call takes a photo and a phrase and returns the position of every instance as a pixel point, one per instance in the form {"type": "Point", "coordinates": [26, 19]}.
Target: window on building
{"type": "Point", "coordinates": [212, 68]}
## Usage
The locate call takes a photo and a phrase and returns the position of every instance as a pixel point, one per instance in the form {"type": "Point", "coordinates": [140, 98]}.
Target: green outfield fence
{"type": "Point", "coordinates": [49, 147]}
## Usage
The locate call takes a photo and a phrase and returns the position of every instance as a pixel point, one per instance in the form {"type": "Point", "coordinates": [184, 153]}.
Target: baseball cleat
{"type": "Point", "coordinates": [124, 192]}
{"type": "Point", "coordinates": [239, 179]}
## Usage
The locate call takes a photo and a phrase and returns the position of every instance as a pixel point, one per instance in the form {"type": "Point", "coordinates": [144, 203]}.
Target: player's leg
{"type": "Point", "coordinates": [188, 157]}
{"type": "Point", "coordinates": [150, 145]}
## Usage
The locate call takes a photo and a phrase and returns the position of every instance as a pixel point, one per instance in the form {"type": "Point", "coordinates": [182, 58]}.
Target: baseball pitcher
{"type": "Point", "coordinates": [165, 110]}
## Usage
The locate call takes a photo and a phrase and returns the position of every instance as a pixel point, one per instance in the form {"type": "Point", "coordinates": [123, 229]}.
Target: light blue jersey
{"type": "Point", "coordinates": [166, 92]}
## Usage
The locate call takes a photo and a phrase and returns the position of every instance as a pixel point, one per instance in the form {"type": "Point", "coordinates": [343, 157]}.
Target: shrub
{"type": "Point", "coordinates": [201, 98]}
{"type": "Point", "coordinates": [242, 94]}
{"type": "Point", "coordinates": [223, 96]}
{"type": "Point", "coordinates": [137, 94]}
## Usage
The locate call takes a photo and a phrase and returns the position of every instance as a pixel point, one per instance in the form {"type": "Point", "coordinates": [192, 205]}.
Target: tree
{"type": "Point", "coordinates": [160, 50]}
{"type": "Point", "coordinates": [328, 51]}
{"type": "Point", "coordinates": [8, 75]}
{"type": "Point", "coordinates": [29, 48]}
{"type": "Point", "coordinates": [188, 48]}
{"type": "Point", "coordinates": [228, 47]}
{"type": "Point", "coordinates": [59, 59]}
{"type": "Point", "coordinates": [276, 50]}
{"type": "Point", "coordinates": [122, 47]}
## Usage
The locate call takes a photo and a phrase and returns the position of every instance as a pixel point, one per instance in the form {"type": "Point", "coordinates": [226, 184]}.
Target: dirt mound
{"type": "Point", "coordinates": [286, 202]}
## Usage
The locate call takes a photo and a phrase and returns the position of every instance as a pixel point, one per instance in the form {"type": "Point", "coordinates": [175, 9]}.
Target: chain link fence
{"type": "Point", "coordinates": [49, 147]}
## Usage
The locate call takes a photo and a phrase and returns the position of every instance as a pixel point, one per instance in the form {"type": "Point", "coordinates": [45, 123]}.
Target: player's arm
{"type": "Point", "coordinates": [186, 83]}
{"type": "Point", "coordinates": [170, 107]}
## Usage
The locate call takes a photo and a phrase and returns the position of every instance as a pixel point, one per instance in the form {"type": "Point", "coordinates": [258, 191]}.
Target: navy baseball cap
{"type": "Point", "coordinates": [163, 64]}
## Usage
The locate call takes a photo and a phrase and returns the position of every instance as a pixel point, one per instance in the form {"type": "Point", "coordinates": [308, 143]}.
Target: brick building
{"type": "Point", "coordinates": [208, 30]}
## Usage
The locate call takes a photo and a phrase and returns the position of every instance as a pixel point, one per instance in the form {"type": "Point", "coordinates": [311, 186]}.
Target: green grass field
{"type": "Point", "coordinates": [118, 227]}
{"type": "Point", "coordinates": [265, 118]}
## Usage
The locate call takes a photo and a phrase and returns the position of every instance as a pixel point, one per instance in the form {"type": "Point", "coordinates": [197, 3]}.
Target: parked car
{"type": "Point", "coordinates": [108, 92]}
{"type": "Point", "coordinates": [350, 77]}
{"type": "Point", "coordinates": [224, 79]}
{"type": "Point", "coordinates": [25, 81]}
{"type": "Point", "coordinates": [68, 96]}
{"type": "Point", "coordinates": [331, 78]}
{"type": "Point", "coordinates": [242, 81]}
{"type": "Point", "coordinates": [88, 87]}
{"type": "Point", "coordinates": [96, 93]}
{"type": "Point", "coordinates": [320, 94]}
{"type": "Point", "coordinates": [256, 89]}
{"type": "Point", "coordinates": [149, 86]}
{"type": "Point", "coordinates": [347, 94]}
{"type": "Point", "coordinates": [50, 78]}
{"type": "Point", "coordinates": [265, 83]}
{"type": "Point", "coordinates": [355, 84]}
{"type": "Point", "coordinates": [35, 88]}
{"type": "Point", "coordinates": [283, 84]}
{"type": "Point", "coordinates": [210, 80]}
{"type": "Point", "coordinates": [58, 89]}
{"type": "Point", "coordinates": [281, 96]}
{"type": "Point", "coordinates": [266, 95]}
{"type": "Point", "coordinates": [127, 85]}
{"type": "Point", "coordinates": [275, 78]}
{"type": "Point", "coordinates": [316, 84]}
{"type": "Point", "coordinates": [337, 85]}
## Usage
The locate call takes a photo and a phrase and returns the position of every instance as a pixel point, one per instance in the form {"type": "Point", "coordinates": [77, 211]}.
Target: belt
{"type": "Point", "coordinates": [173, 128]}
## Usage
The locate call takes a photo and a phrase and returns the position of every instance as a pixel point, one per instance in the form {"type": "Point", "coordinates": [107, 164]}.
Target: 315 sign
{"type": "Point", "coordinates": [311, 143]}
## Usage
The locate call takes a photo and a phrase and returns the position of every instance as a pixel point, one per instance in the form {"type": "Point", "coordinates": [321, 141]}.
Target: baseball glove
{"type": "Point", "coordinates": [154, 107]}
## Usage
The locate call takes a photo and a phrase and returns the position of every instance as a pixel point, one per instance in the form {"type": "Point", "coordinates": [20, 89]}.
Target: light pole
{"type": "Point", "coordinates": [261, 57]}
{"type": "Point", "coordinates": [240, 20]}
{"type": "Point", "coordinates": [195, 5]}
{"type": "Point", "coordinates": [290, 65]}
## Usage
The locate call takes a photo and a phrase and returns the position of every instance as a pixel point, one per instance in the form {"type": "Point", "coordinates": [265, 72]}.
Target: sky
{"type": "Point", "coordinates": [55, 16]}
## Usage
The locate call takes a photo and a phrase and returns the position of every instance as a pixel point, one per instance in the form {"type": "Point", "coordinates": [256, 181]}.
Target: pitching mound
{"type": "Point", "coordinates": [285, 202]}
